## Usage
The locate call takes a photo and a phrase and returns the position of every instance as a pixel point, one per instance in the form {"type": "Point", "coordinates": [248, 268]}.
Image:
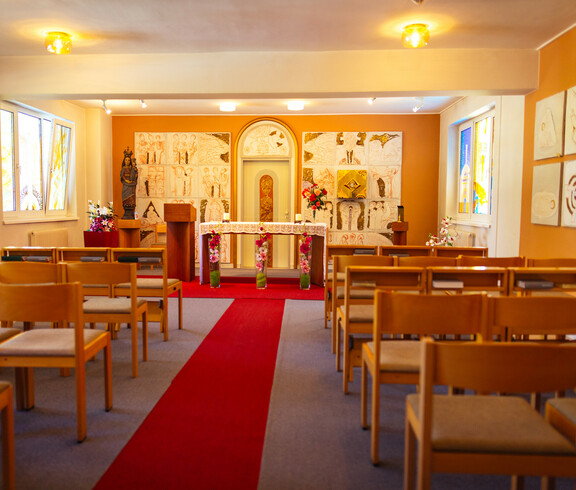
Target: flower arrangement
{"type": "Point", "coordinates": [305, 248]}
{"type": "Point", "coordinates": [214, 257]}
{"type": "Point", "coordinates": [101, 217]}
{"type": "Point", "coordinates": [445, 238]}
{"type": "Point", "coordinates": [261, 256]}
{"type": "Point", "coordinates": [315, 196]}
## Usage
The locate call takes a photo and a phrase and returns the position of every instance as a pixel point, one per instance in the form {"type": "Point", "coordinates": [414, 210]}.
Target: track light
{"type": "Point", "coordinates": [295, 105]}
{"type": "Point", "coordinates": [227, 106]}
{"type": "Point", "coordinates": [106, 110]}
{"type": "Point", "coordinates": [418, 105]}
{"type": "Point", "coordinates": [143, 104]}
{"type": "Point", "coordinates": [371, 100]}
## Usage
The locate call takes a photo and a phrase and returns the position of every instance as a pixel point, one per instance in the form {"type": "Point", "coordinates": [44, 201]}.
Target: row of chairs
{"type": "Point", "coordinates": [160, 287]}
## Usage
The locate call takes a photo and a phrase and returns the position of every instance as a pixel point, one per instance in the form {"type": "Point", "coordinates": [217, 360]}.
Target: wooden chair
{"type": "Point", "coordinates": [160, 230]}
{"type": "Point", "coordinates": [399, 361]}
{"type": "Point", "coordinates": [492, 280]}
{"type": "Point", "coordinates": [113, 310]}
{"type": "Point", "coordinates": [526, 281]}
{"type": "Point", "coordinates": [485, 434]}
{"type": "Point", "coordinates": [8, 460]}
{"type": "Point", "coordinates": [339, 264]}
{"type": "Point", "coordinates": [83, 254]}
{"type": "Point", "coordinates": [460, 251]}
{"type": "Point", "coordinates": [552, 262]}
{"type": "Point", "coordinates": [160, 287]}
{"type": "Point", "coordinates": [332, 250]}
{"type": "Point", "coordinates": [561, 413]}
{"type": "Point", "coordinates": [427, 261]}
{"type": "Point", "coordinates": [29, 254]}
{"type": "Point", "coordinates": [54, 347]}
{"type": "Point", "coordinates": [471, 261]}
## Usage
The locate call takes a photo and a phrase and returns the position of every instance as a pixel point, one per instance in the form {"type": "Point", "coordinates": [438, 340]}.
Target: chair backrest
{"type": "Point", "coordinates": [340, 262]}
{"type": "Point", "coordinates": [83, 254]}
{"type": "Point", "coordinates": [149, 256]}
{"type": "Point", "coordinates": [30, 273]}
{"type": "Point", "coordinates": [108, 273]}
{"type": "Point", "coordinates": [503, 367]}
{"type": "Point", "coordinates": [160, 230]}
{"type": "Point", "coordinates": [424, 261]}
{"type": "Point", "coordinates": [552, 262]}
{"type": "Point", "coordinates": [531, 315]}
{"type": "Point", "coordinates": [468, 279]}
{"type": "Point", "coordinates": [425, 315]}
{"type": "Point", "coordinates": [405, 250]}
{"type": "Point", "coordinates": [458, 251]}
{"type": "Point", "coordinates": [32, 254]}
{"type": "Point", "coordinates": [470, 261]}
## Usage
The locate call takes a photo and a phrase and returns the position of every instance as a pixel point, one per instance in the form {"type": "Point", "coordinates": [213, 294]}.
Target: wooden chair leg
{"type": "Point", "coordinates": [134, 338]}
{"type": "Point", "coordinates": [108, 375]}
{"type": "Point", "coordinates": [180, 309]}
{"type": "Point", "coordinates": [81, 400]}
{"type": "Point", "coordinates": [364, 396]}
{"type": "Point", "coordinates": [145, 336]}
{"type": "Point", "coordinates": [409, 457]}
{"type": "Point", "coordinates": [375, 424]}
{"type": "Point", "coordinates": [8, 458]}
{"type": "Point", "coordinates": [24, 381]}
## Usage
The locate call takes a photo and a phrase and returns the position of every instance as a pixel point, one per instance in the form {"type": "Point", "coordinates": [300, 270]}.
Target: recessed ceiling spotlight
{"type": "Point", "coordinates": [295, 105]}
{"type": "Point", "coordinates": [371, 100]}
{"type": "Point", "coordinates": [227, 106]}
{"type": "Point", "coordinates": [143, 104]}
{"type": "Point", "coordinates": [415, 35]}
{"type": "Point", "coordinates": [418, 105]}
{"type": "Point", "coordinates": [106, 109]}
{"type": "Point", "coordinates": [58, 42]}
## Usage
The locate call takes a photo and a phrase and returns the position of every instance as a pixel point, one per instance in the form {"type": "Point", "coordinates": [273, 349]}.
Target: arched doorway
{"type": "Point", "coordinates": [266, 168]}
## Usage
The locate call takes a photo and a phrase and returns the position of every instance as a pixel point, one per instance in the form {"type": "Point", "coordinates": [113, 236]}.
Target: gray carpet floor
{"type": "Point", "coordinates": [313, 438]}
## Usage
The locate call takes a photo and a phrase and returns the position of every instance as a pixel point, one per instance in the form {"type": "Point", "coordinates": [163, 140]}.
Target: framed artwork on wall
{"type": "Point", "coordinates": [549, 127]}
{"type": "Point", "coordinates": [569, 194]}
{"type": "Point", "coordinates": [570, 122]}
{"type": "Point", "coordinates": [546, 194]}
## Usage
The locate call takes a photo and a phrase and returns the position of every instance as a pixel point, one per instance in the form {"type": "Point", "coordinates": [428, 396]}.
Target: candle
{"type": "Point", "coordinates": [298, 218]}
{"type": "Point", "coordinates": [226, 217]}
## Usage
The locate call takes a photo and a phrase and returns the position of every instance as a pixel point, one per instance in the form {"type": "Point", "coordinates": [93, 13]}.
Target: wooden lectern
{"type": "Point", "coordinates": [399, 228]}
{"type": "Point", "coordinates": [129, 232]}
{"type": "Point", "coordinates": [180, 219]}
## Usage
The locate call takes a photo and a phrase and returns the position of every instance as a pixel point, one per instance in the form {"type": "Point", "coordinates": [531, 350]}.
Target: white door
{"type": "Point", "coordinates": [253, 171]}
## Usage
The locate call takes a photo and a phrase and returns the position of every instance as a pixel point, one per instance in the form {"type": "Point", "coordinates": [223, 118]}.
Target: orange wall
{"type": "Point", "coordinates": [421, 134]}
{"type": "Point", "coordinates": [557, 73]}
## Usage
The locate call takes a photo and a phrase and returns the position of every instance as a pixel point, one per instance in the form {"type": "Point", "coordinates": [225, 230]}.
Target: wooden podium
{"type": "Point", "coordinates": [180, 218]}
{"type": "Point", "coordinates": [399, 228]}
{"type": "Point", "coordinates": [129, 233]}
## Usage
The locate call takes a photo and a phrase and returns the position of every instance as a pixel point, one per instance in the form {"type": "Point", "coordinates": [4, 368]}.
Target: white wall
{"type": "Point", "coordinates": [502, 237]}
{"type": "Point", "coordinates": [90, 173]}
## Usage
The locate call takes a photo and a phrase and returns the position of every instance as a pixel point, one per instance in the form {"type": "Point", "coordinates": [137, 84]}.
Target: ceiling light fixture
{"type": "Point", "coordinates": [227, 106]}
{"type": "Point", "coordinates": [418, 105]}
{"type": "Point", "coordinates": [371, 100]}
{"type": "Point", "coordinates": [295, 105]}
{"type": "Point", "coordinates": [106, 110]}
{"type": "Point", "coordinates": [58, 42]}
{"type": "Point", "coordinates": [415, 35]}
{"type": "Point", "coordinates": [143, 104]}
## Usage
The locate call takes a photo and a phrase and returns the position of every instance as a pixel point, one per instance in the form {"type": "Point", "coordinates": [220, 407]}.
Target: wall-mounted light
{"type": "Point", "coordinates": [143, 104]}
{"type": "Point", "coordinates": [227, 106]}
{"type": "Point", "coordinates": [371, 100]}
{"type": "Point", "coordinates": [58, 42]}
{"type": "Point", "coordinates": [106, 110]}
{"type": "Point", "coordinates": [415, 36]}
{"type": "Point", "coordinates": [295, 105]}
{"type": "Point", "coordinates": [418, 105]}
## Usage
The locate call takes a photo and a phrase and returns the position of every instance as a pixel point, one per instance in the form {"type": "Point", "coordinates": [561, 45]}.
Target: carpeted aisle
{"type": "Point", "coordinates": [207, 431]}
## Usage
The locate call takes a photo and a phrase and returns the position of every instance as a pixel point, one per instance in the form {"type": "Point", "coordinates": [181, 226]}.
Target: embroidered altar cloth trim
{"type": "Point", "coordinates": [253, 228]}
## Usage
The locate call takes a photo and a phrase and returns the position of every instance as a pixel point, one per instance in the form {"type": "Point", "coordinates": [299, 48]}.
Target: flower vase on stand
{"type": "Point", "coordinates": [214, 260]}
{"type": "Point", "coordinates": [305, 253]}
{"type": "Point", "coordinates": [261, 265]}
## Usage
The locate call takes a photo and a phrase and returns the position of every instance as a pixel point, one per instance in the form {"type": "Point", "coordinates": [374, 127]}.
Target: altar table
{"type": "Point", "coordinates": [318, 232]}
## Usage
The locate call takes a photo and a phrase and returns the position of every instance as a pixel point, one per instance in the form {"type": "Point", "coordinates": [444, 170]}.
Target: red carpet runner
{"type": "Point", "coordinates": [207, 431]}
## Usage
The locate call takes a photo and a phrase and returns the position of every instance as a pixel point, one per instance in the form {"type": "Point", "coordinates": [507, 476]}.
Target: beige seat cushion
{"type": "Point", "coordinates": [109, 305]}
{"type": "Point", "coordinates": [398, 355]}
{"type": "Point", "coordinates": [6, 333]}
{"type": "Point", "coordinates": [491, 424]}
{"type": "Point", "coordinates": [46, 342]}
{"type": "Point", "coordinates": [355, 293]}
{"type": "Point", "coordinates": [150, 283]}
{"type": "Point", "coordinates": [566, 406]}
{"type": "Point", "coordinates": [361, 313]}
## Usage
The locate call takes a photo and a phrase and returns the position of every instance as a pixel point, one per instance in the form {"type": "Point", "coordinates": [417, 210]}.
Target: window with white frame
{"type": "Point", "coordinates": [36, 156]}
{"type": "Point", "coordinates": [475, 143]}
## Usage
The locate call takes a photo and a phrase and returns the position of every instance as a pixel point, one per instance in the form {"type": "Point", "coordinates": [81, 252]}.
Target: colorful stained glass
{"type": "Point", "coordinates": [464, 174]}
{"type": "Point", "coordinates": [7, 138]}
{"type": "Point", "coordinates": [482, 166]}
{"type": "Point", "coordinates": [59, 168]}
{"type": "Point", "coordinates": [30, 162]}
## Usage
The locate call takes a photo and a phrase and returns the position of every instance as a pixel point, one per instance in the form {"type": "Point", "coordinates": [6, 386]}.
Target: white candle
{"type": "Point", "coordinates": [298, 217]}
{"type": "Point", "coordinates": [226, 217]}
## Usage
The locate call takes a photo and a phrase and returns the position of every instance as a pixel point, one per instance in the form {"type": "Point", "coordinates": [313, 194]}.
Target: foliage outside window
{"type": "Point", "coordinates": [36, 155]}
{"type": "Point", "coordinates": [476, 138]}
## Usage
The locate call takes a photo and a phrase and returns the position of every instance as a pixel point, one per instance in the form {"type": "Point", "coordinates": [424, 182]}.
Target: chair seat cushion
{"type": "Point", "coordinates": [149, 283]}
{"type": "Point", "coordinates": [566, 406]}
{"type": "Point", "coordinates": [361, 314]}
{"type": "Point", "coordinates": [6, 333]}
{"type": "Point", "coordinates": [109, 305]}
{"type": "Point", "coordinates": [355, 293]}
{"type": "Point", "coordinates": [398, 355]}
{"type": "Point", "coordinates": [491, 424]}
{"type": "Point", "coordinates": [46, 342]}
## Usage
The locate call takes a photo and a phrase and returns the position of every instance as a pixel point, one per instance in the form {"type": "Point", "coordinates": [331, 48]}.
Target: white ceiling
{"type": "Point", "coordinates": [217, 26]}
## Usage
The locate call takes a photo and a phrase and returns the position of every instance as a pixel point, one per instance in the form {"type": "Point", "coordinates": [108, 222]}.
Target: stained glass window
{"type": "Point", "coordinates": [483, 165]}
{"type": "Point", "coordinates": [7, 139]}
{"type": "Point", "coordinates": [59, 167]}
{"type": "Point", "coordinates": [464, 176]}
{"type": "Point", "coordinates": [30, 162]}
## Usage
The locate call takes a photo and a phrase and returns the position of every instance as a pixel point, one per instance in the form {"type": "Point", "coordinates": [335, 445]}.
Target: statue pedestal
{"type": "Point", "coordinates": [129, 232]}
{"type": "Point", "coordinates": [399, 228]}
{"type": "Point", "coordinates": [180, 231]}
